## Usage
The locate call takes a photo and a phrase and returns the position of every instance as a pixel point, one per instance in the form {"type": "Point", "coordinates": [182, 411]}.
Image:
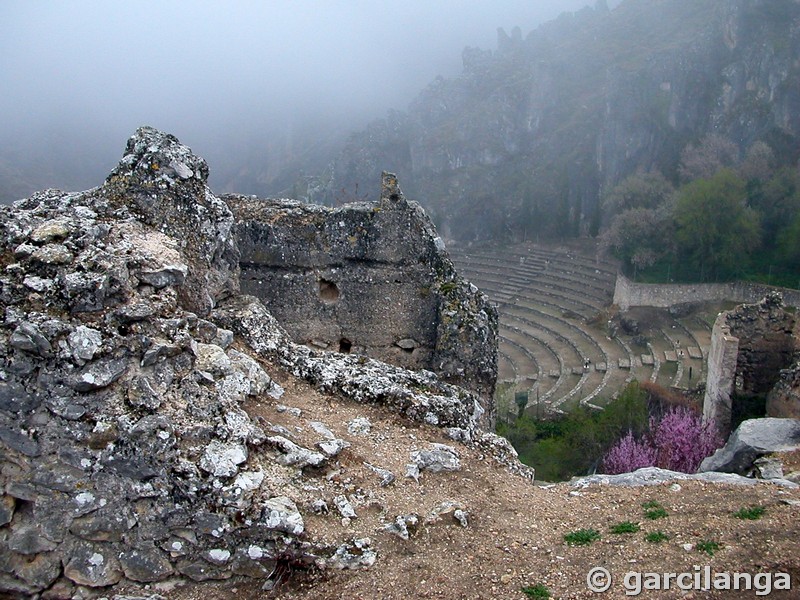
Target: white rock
{"type": "Point", "coordinates": [281, 513]}
{"type": "Point", "coordinates": [222, 459]}
{"type": "Point", "coordinates": [344, 507]}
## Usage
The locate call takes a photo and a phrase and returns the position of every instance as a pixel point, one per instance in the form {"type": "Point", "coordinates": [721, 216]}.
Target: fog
{"type": "Point", "coordinates": [228, 78]}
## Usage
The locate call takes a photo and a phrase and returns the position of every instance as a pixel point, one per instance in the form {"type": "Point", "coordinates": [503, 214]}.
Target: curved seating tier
{"type": "Point", "coordinates": [554, 344]}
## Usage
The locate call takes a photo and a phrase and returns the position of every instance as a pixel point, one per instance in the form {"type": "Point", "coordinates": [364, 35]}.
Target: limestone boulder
{"type": "Point", "coordinates": [753, 439]}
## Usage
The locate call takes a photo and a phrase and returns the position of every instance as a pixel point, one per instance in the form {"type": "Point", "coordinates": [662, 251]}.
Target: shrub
{"type": "Point", "coordinates": [678, 442]}
{"type": "Point", "coordinates": [682, 440]}
{"type": "Point", "coordinates": [628, 455]}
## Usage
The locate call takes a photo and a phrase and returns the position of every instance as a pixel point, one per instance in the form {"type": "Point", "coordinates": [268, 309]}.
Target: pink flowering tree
{"type": "Point", "coordinates": [678, 442]}
{"type": "Point", "coordinates": [628, 454]}
{"type": "Point", "coordinates": [682, 440]}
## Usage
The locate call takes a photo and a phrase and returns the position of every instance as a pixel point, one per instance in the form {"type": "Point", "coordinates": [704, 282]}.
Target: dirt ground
{"type": "Point", "coordinates": [515, 536]}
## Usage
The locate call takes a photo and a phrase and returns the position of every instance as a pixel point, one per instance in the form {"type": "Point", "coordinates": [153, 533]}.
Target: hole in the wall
{"type": "Point", "coordinates": [328, 291]}
{"type": "Point", "coordinates": [345, 345]}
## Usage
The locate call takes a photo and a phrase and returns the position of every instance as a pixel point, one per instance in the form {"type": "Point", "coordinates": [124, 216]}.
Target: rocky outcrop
{"type": "Point", "coordinates": [162, 184]}
{"type": "Point", "coordinates": [372, 279]}
{"type": "Point", "coordinates": [753, 439]}
{"type": "Point", "coordinates": [655, 476]}
{"type": "Point", "coordinates": [527, 138]}
{"type": "Point", "coordinates": [133, 384]}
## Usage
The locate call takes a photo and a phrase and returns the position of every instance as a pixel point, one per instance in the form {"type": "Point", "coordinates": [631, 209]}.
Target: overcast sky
{"type": "Point", "coordinates": [207, 70]}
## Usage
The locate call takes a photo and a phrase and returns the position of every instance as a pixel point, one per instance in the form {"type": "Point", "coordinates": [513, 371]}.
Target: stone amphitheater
{"type": "Point", "coordinates": [560, 340]}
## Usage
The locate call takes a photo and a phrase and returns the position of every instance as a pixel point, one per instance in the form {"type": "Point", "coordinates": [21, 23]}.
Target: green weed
{"type": "Point", "coordinates": [582, 537]}
{"type": "Point", "coordinates": [708, 547]}
{"type": "Point", "coordinates": [625, 527]}
{"type": "Point", "coordinates": [536, 591]}
{"type": "Point", "coordinates": [750, 514]}
{"type": "Point", "coordinates": [656, 537]}
{"type": "Point", "coordinates": [653, 510]}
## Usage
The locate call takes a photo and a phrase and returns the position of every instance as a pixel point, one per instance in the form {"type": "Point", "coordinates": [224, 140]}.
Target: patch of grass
{"type": "Point", "coordinates": [750, 514]}
{"type": "Point", "coordinates": [656, 537]}
{"type": "Point", "coordinates": [625, 527]}
{"type": "Point", "coordinates": [653, 510]}
{"type": "Point", "coordinates": [708, 547]}
{"type": "Point", "coordinates": [656, 513]}
{"type": "Point", "coordinates": [582, 537]}
{"type": "Point", "coordinates": [536, 591]}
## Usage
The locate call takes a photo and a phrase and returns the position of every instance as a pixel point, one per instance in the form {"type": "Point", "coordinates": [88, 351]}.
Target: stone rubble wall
{"type": "Point", "coordinates": [784, 399]}
{"type": "Point", "coordinates": [662, 295]}
{"type": "Point", "coordinates": [371, 279]}
{"type": "Point", "coordinates": [127, 358]}
{"type": "Point", "coordinates": [751, 345]}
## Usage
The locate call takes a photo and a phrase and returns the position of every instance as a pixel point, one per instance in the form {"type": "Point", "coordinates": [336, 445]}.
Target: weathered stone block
{"type": "Point", "coordinates": [372, 279]}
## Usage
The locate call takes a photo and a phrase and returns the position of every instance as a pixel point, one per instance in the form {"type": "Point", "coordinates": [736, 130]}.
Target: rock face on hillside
{"type": "Point", "coordinates": [368, 278]}
{"type": "Point", "coordinates": [527, 138]}
{"type": "Point", "coordinates": [131, 374]}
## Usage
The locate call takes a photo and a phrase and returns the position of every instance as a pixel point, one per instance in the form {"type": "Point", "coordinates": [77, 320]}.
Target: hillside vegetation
{"type": "Point", "coordinates": [528, 140]}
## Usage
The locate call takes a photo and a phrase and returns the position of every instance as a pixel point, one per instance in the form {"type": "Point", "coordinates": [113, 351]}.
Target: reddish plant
{"type": "Point", "coordinates": [678, 442]}
{"type": "Point", "coordinates": [628, 454]}
{"type": "Point", "coordinates": [682, 440]}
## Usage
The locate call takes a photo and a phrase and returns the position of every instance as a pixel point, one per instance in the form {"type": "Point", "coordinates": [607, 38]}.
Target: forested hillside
{"type": "Point", "coordinates": [531, 136]}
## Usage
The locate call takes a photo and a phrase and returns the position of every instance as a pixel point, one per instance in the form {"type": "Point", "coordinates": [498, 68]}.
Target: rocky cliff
{"type": "Point", "coordinates": [525, 141]}
{"type": "Point", "coordinates": [141, 437]}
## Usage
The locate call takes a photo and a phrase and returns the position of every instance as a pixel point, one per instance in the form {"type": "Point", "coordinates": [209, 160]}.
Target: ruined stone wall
{"type": "Point", "coordinates": [721, 374]}
{"type": "Point", "coordinates": [784, 399]}
{"type": "Point", "coordinates": [371, 279]}
{"type": "Point", "coordinates": [133, 440]}
{"type": "Point", "coordinates": [628, 294]}
{"type": "Point", "coordinates": [761, 339]}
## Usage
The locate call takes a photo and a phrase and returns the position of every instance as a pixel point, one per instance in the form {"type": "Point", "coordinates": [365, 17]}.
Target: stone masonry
{"type": "Point", "coordinates": [371, 279]}
{"type": "Point", "coordinates": [750, 346]}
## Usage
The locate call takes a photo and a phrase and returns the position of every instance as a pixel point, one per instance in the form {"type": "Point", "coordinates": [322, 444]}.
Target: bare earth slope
{"type": "Point", "coordinates": [515, 532]}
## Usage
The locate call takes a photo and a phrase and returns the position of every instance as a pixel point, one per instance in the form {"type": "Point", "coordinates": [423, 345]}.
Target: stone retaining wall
{"type": "Point", "coordinates": [628, 293]}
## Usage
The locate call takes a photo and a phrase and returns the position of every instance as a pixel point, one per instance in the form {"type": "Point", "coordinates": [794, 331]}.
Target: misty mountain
{"type": "Point", "coordinates": [525, 141]}
{"type": "Point", "coordinates": [267, 92]}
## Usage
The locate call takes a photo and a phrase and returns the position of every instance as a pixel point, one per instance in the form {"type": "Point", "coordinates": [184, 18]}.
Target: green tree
{"type": "Point", "coordinates": [778, 204]}
{"type": "Point", "coordinates": [715, 230]}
